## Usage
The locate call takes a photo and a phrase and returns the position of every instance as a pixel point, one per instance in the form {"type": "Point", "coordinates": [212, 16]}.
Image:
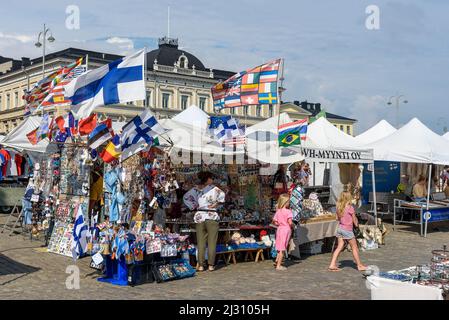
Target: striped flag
{"type": "Point", "coordinates": [112, 151]}
{"type": "Point", "coordinates": [292, 133]}
{"type": "Point", "coordinates": [102, 133]}
{"type": "Point", "coordinates": [56, 97]}
{"type": "Point", "coordinates": [80, 232]}
{"type": "Point", "coordinates": [40, 91]}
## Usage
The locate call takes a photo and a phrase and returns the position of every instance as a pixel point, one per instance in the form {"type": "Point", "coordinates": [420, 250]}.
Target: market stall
{"type": "Point", "coordinates": [422, 282]}
{"type": "Point", "coordinates": [414, 143]}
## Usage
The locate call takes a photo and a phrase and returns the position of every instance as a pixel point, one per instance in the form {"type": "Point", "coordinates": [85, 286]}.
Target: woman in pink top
{"type": "Point", "coordinates": [283, 220]}
{"type": "Point", "coordinates": [346, 217]}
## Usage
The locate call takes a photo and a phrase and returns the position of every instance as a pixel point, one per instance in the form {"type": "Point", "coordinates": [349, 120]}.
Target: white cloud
{"type": "Point", "coordinates": [369, 110]}
{"type": "Point", "coordinates": [16, 37]}
{"type": "Point", "coordinates": [125, 45]}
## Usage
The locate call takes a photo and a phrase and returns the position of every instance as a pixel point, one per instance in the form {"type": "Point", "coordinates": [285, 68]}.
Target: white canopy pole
{"type": "Point", "coordinates": [373, 175]}
{"type": "Point", "coordinates": [428, 200]}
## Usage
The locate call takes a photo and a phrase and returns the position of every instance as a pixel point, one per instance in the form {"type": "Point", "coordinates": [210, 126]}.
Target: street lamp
{"type": "Point", "coordinates": [39, 44]}
{"type": "Point", "coordinates": [397, 101]}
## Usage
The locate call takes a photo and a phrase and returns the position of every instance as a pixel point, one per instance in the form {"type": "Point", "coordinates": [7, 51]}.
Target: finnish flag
{"type": "Point", "coordinates": [139, 133]}
{"type": "Point", "coordinates": [79, 236]}
{"type": "Point", "coordinates": [120, 81]}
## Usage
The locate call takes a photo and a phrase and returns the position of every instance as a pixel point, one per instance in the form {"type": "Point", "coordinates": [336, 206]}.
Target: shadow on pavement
{"type": "Point", "coordinates": [11, 267]}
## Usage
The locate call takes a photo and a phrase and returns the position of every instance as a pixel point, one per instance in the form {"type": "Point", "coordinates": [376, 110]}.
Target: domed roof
{"type": "Point", "coordinates": [168, 54]}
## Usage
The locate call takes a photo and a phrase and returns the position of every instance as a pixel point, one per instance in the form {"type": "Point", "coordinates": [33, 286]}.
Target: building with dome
{"type": "Point", "coordinates": [175, 79]}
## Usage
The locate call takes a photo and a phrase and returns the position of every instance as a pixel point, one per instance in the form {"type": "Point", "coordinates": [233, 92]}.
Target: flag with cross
{"type": "Point", "coordinates": [139, 134]}
{"type": "Point", "coordinates": [251, 87]}
{"type": "Point", "coordinates": [118, 82]}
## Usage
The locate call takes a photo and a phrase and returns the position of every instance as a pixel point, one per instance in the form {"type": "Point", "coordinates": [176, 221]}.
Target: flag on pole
{"type": "Point", "coordinates": [112, 151]}
{"type": "Point", "coordinates": [87, 125]}
{"type": "Point", "coordinates": [57, 97]}
{"type": "Point", "coordinates": [120, 81]}
{"type": "Point", "coordinates": [102, 133]}
{"type": "Point", "coordinates": [41, 132]}
{"type": "Point", "coordinates": [251, 87]}
{"type": "Point", "coordinates": [139, 133]}
{"type": "Point", "coordinates": [79, 237]}
{"type": "Point", "coordinates": [34, 97]}
{"type": "Point", "coordinates": [292, 133]}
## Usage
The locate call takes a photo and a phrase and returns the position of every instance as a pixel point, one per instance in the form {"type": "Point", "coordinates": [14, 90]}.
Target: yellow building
{"type": "Point", "coordinates": [175, 79]}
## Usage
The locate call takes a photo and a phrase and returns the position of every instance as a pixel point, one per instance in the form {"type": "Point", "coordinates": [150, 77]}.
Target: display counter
{"type": "Point", "coordinates": [438, 211]}
{"type": "Point", "coordinates": [388, 289]}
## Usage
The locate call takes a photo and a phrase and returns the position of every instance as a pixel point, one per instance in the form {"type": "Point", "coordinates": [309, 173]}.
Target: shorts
{"type": "Point", "coordinates": [345, 234]}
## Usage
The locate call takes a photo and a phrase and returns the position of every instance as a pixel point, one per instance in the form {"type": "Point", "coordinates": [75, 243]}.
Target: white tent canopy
{"type": "Point", "coordinates": [324, 143]}
{"type": "Point", "coordinates": [378, 131]}
{"type": "Point", "coordinates": [193, 116]}
{"type": "Point", "coordinates": [446, 135]}
{"type": "Point", "coordinates": [413, 143]}
{"type": "Point", "coordinates": [17, 137]}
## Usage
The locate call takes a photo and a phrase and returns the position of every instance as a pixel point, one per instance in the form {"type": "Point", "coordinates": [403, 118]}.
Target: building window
{"type": "Point", "coordinates": [232, 110]}
{"type": "Point", "coordinates": [182, 63]}
{"type": "Point", "coordinates": [342, 128]}
{"type": "Point", "coordinates": [184, 102]}
{"type": "Point", "coordinates": [258, 111]}
{"type": "Point", "coordinates": [202, 103]}
{"type": "Point", "coordinates": [16, 99]}
{"type": "Point", "coordinates": [8, 101]}
{"type": "Point", "coordinates": [348, 129]}
{"type": "Point", "coordinates": [165, 100]}
{"type": "Point", "coordinates": [270, 110]}
{"type": "Point", "coordinates": [1, 105]}
{"type": "Point", "coordinates": [245, 110]}
{"type": "Point", "coordinates": [148, 99]}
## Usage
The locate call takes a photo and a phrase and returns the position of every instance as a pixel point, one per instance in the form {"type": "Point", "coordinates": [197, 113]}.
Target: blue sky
{"type": "Point", "coordinates": [330, 56]}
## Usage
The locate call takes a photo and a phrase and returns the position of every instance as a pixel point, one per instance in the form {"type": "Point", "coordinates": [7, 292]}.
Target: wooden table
{"type": "Point", "coordinates": [249, 254]}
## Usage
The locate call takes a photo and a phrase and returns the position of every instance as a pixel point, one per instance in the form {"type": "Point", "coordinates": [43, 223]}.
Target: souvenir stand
{"type": "Point", "coordinates": [324, 143]}
{"type": "Point", "coordinates": [415, 143]}
{"type": "Point", "coordinates": [422, 282]}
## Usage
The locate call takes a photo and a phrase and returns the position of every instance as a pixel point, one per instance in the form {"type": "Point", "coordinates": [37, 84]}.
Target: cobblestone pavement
{"type": "Point", "coordinates": [29, 273]}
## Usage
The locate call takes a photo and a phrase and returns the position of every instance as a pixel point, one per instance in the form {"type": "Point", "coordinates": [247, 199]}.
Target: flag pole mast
{"type": "Point", "coordinates": [280, 89]}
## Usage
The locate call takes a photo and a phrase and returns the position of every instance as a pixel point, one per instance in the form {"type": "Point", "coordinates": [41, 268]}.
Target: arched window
{"type": "Point", "coordinates": [183, 62]}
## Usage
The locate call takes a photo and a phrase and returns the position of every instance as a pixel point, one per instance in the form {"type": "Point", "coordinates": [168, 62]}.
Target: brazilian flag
{"type": "Point", "coordinates": [289, 138]}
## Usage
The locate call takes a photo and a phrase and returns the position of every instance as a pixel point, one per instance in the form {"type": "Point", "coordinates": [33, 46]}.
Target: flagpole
{"type": "Point", "coordinates": [280, 89]}
{"type": "Point", "coordinates": [145, 76]}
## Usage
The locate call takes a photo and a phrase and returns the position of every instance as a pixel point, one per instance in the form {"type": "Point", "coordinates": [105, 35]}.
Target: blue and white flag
{"type": "Point", "coordinates": [139, 133]}
{"type": "Point", "coordinates": [225, 128]}
{"type": "Point", "coordinates": [79, 236]}
{"type": "Point", "coordinates": [120, 81]}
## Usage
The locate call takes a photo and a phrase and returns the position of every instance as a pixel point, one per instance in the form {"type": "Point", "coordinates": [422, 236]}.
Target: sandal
{"type": "Point", "coordinates": [281, 268]}
{"type": "Point", "coordinates": [363, 269]}
{"type": "Point", "coordinates": [200, 268]}
{"type": "Point", "coordinates": [211, 268]}
{"type": "Point", "coordinates": [333, 269]}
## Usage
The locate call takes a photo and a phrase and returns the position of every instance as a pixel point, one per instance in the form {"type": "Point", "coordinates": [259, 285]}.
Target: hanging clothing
{"type": "Point", "coordinates": [296, 199]}
{"type": "Point", "coordinates": [7, 156]}
{"type": "Point", "coordinates": [18, 159]}
{"type": "Point", "coordinates": [2, 164]}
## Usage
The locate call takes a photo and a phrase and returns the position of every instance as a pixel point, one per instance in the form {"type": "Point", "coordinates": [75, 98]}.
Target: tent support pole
{"type": "Point", "coordinates": [428, 199]}
{"type": "Point", "coordinates": [373, 175]}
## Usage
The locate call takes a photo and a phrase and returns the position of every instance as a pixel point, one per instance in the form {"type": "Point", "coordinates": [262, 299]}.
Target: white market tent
{"type": "Point", "coordinates": [193, 116]}
{"type": "Point", "coordinates": [446, 135]}
{"type": "Point", "coordinates": [414, 143]}
{"type": "Point", "coordinates": [380, 130]}
{"type": "Point", "coordinates": [17, 138]}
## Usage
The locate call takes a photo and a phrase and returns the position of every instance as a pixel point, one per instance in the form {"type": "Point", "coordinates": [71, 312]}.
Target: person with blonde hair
{"type": "Point", "coordinates": [347, 220]}
{"type": "Point", "coordinates": [283, 220]}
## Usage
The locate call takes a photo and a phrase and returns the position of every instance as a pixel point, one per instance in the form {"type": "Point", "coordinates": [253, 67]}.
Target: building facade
{"type": "Point", "coordinates": [175, 79]}
{"type": "Point", "coordinates": [342, 123]}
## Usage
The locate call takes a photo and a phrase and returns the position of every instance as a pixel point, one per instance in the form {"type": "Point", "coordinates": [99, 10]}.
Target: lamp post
{"type": "Point", "coordinates": [39, 44]}
{"type": "Point", "coordinates": [397, 99]}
